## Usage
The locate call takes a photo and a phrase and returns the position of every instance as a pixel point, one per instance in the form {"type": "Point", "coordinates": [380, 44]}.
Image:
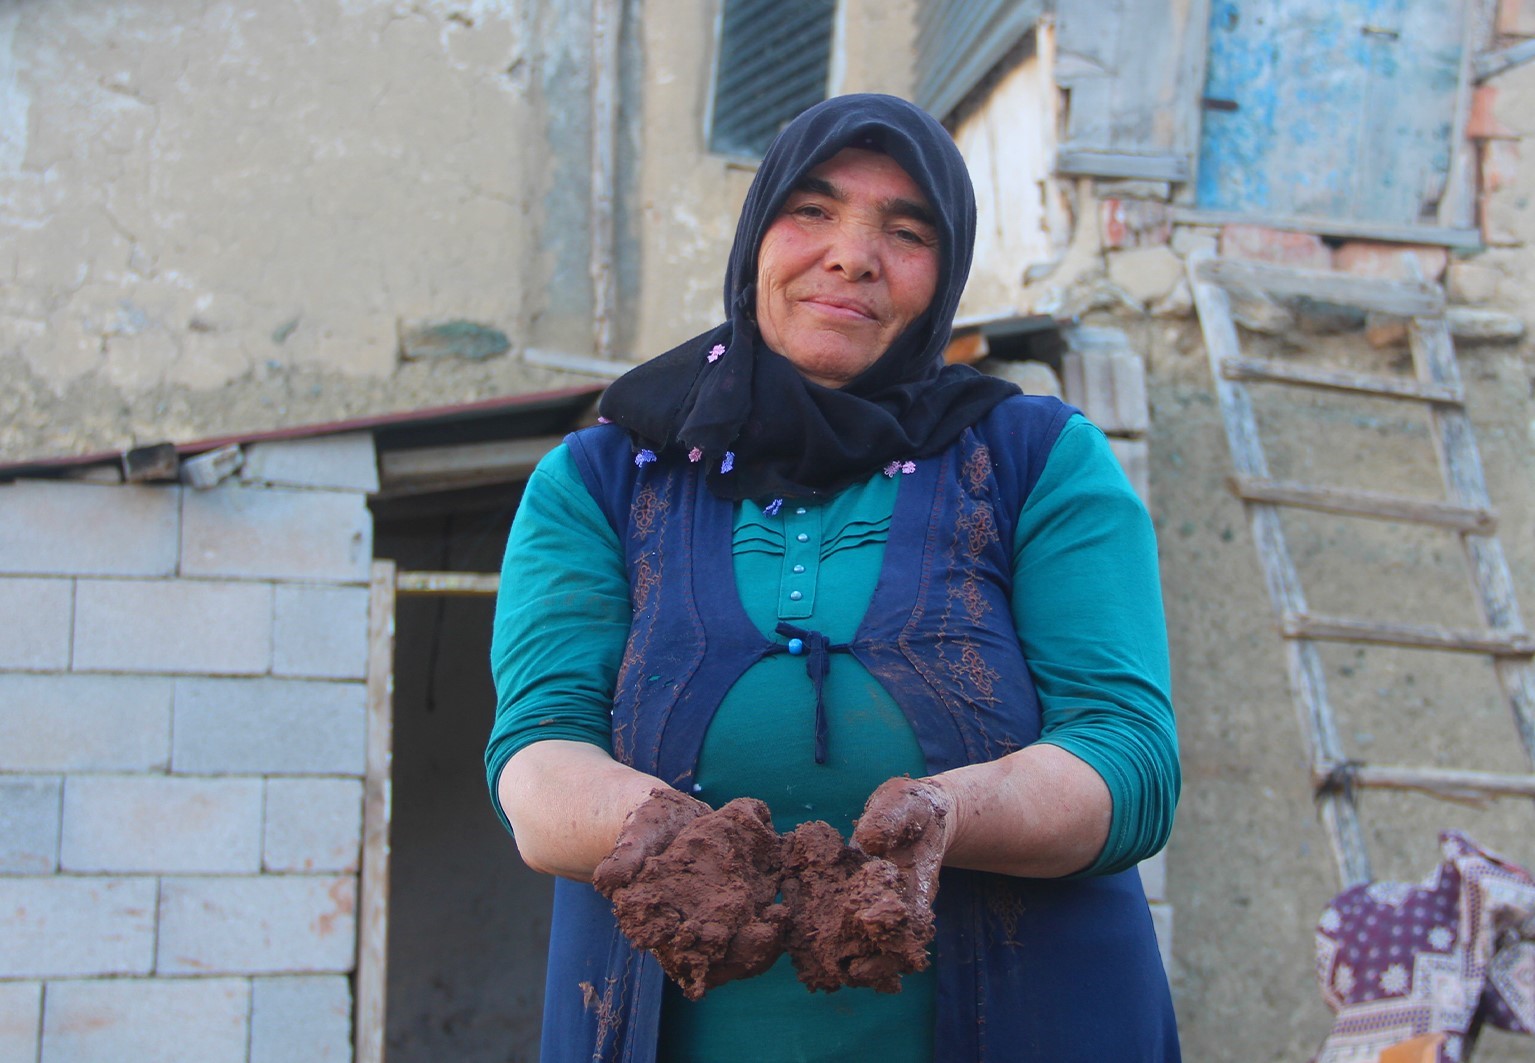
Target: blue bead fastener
{"type": "Point", "coordinates": [796, 646]}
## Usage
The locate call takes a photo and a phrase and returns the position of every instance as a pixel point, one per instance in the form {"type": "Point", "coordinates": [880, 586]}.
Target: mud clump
{"type": "Point", "coordinates": [852, 922]}
{"type": "Point", "coordinates": [706, 903]}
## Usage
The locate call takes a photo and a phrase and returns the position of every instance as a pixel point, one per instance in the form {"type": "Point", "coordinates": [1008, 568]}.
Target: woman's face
{"type": "Point", "coordinates": [850, 261]}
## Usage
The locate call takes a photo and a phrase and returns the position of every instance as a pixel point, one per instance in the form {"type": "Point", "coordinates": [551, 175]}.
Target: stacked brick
{"type": "Point", "coordinates": [182, 747]}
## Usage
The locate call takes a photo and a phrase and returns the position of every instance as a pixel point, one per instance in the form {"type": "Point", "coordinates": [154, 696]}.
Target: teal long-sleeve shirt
{"type": "Point", "coordinates": [1086, 605]}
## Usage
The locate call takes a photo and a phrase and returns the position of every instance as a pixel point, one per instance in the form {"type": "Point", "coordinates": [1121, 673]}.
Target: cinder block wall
{"type": "Point", "coordinates": [182, 746]}
{"type": "Point", "coordinates": [1106, 379]}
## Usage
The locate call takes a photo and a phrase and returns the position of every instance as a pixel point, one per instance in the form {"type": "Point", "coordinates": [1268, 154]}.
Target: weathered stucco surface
{"type": "Point", "coordinates": [216, 215]}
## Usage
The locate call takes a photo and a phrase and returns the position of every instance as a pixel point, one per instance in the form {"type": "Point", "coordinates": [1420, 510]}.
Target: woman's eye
{"type": "Point", "coordinates": [809, 210]}
{"type": "Point", "coordinates": [912, 237]}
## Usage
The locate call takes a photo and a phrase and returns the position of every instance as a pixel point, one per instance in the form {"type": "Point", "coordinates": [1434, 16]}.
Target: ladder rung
{"type": "Point", "coordinates": [1452, 783]}
{"type": "Point", "coordinates": [1373, 504]}
{"type": "Point", "coordinates": [1339, 380]}
{"type": "Point", "coordinates": [1399, 298]}
{"type": "Point", "coordinates": [1421, 636]}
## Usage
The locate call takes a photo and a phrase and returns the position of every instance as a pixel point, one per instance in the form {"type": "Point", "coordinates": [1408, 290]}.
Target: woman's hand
{"type": "Point", "coordinates": [698, 888]}
{"type": "Point", "coordinates": [908, 821]}
{"type": "Point", "coordinates": [647, 831]}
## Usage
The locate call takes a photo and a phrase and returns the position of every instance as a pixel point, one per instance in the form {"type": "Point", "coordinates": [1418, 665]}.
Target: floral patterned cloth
{"type": "Point", "coordinates": [1398, 961]}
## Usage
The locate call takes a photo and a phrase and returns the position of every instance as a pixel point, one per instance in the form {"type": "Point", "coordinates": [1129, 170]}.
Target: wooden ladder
{"type": "Point", "coordinates": [1465, 510]}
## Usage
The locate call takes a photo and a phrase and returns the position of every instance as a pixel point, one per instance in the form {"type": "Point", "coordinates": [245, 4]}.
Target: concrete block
{"type": "Point", "coordinates": [1109, 387]}
{"type": "Point", "coordinates": [57, 927]}
{"type": "Point", "coordinates": [1154, 876]}
{"type": "Point", "coordinates": [269, 727]}
{"type": "Point", "coordinates": [1147, 273]}
{"type": "Point", "coordinates": [29, 824]}
{"type": "Point", "coordinates": [340, 463]}
{"type": "Point", "coordinates": [21, 1020]}
{"type": "Point", "coordinates": [161, 824]}
{"type": "Point", "coordinates": [168, 1020]}
{"type": "Point", "coordinates": [1035, 378]}
{"type": "Point", "coordinates": [308, 1018]}
{"type": "Point", "coordinates": [1367, 258]}
{"type": "Point", "coordinates": [1162, 923]}
{"type": "Point", "coordinates": [49, 527]}
{"type": "Point", "coordinates": [313, 825]}
{"type": "Point", "coordinates": [1254, 242]}
{"type": "Point", "coordinates": [1471, 282]}
{"type": "Point", "coordinates": [1190, 238]}
{"type": "Point", "coordinates": [173, 626]}
{"type": "Point", "coordinates": [84, 723]}
{"type": "Point", "coordinates": [1484, 326]}
{"type": "Point", "coordinates": [269, 924]}
{"type": "Point", "coordinates": [320, 632]}
{"type": "Point", "coordinates": [276, 533]}
{"type": "Point", "coordinates": [1135, 458]}
{"type": "Point", "coordinates": [37, 615]}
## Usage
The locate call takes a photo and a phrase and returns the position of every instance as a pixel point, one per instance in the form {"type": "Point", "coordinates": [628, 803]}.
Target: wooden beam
{"type": "Point", "coordinates": [1449, 783]}
{"type": "Point", "coordinates": [463, 465]}
{"type": "Point", "coordinates": [1371, 504]}
{"type": "Point", "coordinates": [1439, 236]}
{"type": "Point", "coordinates": [1257, 369]}
{"type": "Point", "coordinates": [1501, 643]}
{"type": "Point", "coordinates": [448, 584]}
{"type": "Point", "coordinates": [1119, 164]}
{"type": "Point", "coordinates": [1401, 298]}
{"type": "Point", "coordinates": [1488, 64]}
{"type": "Point", "coordinates": [372, 984]}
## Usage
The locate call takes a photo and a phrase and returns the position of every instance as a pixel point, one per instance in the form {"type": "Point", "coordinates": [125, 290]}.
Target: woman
{"type": "Point", "coordinates": [804, 560]}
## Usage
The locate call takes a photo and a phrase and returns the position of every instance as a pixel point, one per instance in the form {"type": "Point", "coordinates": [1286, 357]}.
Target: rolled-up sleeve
{"type": "Point", "coordinates": [562, 618]}
{"type": "Point", "coordinates": [1087, 602]}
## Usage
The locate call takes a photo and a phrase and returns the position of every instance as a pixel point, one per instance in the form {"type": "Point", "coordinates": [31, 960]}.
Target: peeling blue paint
{"type": "Point", "coordinates": [1342, 108]}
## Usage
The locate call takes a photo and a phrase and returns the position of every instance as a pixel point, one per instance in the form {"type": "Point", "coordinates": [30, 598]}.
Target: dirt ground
{"type": "Point", "coordinates": [1250, 868]}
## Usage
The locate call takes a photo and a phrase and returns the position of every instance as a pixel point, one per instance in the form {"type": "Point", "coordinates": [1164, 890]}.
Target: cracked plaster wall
{"type": "Point", "coordinates": [213, 215]}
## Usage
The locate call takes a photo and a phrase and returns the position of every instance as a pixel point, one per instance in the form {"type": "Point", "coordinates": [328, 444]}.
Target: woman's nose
{"type": "Point", "coordinates": [853, 252]}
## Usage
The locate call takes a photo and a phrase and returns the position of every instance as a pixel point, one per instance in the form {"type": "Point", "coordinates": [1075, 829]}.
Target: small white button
{"type": "Point", "coordinates": [799, 568]}
{"type": "Point", "coordinates": [802, 537]}
{"type": "Point", "coordinates": [795, 596]}
{"type": "Point", "coordinates": [800, 511]}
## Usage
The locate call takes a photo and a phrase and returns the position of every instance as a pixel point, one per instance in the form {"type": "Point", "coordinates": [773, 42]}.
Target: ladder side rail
{"type": "Point", "coordinates": [1433, 354]}
{"type": "Point", "coordinates": [1308, 685]}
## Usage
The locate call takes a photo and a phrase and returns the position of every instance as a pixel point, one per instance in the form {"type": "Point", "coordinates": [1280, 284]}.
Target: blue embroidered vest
{"type": "Point", "coordinates": [1039, 970]}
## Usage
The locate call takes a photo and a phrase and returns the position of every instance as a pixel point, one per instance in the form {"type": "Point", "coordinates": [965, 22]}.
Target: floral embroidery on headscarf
{"type": "Point", "coordinates": [644, 458]}
{"type": "Point", "coordinates": [695, 455]}
{"type": "Point", "coordinates": [716, 352]}
{"type": "Point", "coordinates": [772, 508]}
{"type": "Point", "coordinates": [729, 462]}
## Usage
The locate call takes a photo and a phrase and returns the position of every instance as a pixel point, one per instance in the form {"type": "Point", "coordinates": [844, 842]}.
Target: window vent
{"type": "Point", "coordinates": [774, 58]}
{"type": "Point", "coordinates": [960, 41]}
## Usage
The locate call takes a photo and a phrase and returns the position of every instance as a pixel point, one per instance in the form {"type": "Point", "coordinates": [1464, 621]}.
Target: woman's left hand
{"type": "Point", "coordinates": [908, 822]}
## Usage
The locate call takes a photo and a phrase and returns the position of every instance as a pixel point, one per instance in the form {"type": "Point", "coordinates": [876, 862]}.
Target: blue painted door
{"type": "Point", "coordinates": [1330, 108]}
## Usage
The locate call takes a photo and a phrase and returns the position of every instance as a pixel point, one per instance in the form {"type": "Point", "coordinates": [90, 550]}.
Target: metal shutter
{"type": "Point", "coordinates": [774, 59]}
{"type": "Point", "coordinates": [960, 41]}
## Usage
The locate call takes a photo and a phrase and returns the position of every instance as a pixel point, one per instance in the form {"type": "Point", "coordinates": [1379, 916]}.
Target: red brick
{"type": "Point", "coordinates": [1367, 258]}
{"type": "Point", "coordinates": [1256, 243]}
{"type": "Point", "coordinates": [1127, 223]}
{"type": "Point", "coordinates": [1483, 124]}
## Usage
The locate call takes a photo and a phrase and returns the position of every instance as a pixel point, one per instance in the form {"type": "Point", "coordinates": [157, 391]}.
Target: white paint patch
{"type": "Point", "coordinates": [15, 104]}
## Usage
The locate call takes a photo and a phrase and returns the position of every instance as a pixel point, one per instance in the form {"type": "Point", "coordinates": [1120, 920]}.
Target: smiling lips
{"type": "Point", "coordinates": [840, 307]}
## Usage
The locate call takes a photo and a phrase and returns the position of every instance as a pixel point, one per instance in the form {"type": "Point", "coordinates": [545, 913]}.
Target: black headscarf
{"type": "Point", "coordinates": [765, 431]}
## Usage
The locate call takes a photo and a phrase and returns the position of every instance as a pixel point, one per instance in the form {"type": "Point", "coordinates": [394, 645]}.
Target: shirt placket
{"type": "Point", "coordinates": [801, 562]}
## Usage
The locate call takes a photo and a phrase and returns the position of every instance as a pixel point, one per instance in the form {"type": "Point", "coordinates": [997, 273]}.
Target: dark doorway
{"type": "Point", "coordinates": [468, 922]}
